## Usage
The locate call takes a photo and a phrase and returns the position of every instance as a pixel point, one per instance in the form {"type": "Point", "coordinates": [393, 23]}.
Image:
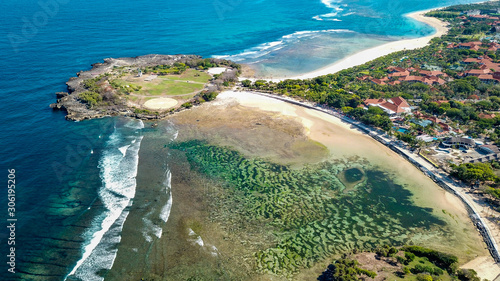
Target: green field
{"type": "Point", "coordinates": [169, 85]}
{"type": "Point", "coordinates": [191, 75]}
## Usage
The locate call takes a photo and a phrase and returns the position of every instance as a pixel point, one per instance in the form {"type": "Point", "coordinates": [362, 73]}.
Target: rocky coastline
{"type": "Point", "coordinates": [77, 109]}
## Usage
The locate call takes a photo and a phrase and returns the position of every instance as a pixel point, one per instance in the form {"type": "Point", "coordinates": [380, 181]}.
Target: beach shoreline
{"type": "Point", "coordinates": [343, 135]}
{"type": "Point", "coordinates": [370, 54]}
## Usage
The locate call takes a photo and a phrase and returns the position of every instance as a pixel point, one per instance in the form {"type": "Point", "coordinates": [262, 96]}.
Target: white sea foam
{"type": "Point", "coordinates": [118, 171]}
{"type": "Point", "coordinates": [150, 228]}
{"type": "Point", "coordinates": [267, 48]}
{"type": "Point", "coordinates": [165, 211]}
{"type": "Point", "coordinates": [330, 4]}
{"type": "Point", "coordinates": [195, 238]}
{"type": "Point", "coordinates": [104, 254]}
{"type": "Point", "coordinates": [123, 149]}
{"type": "Point", "coordinates": [336, 9]}
{"type": "Point", "coordinates": [214, 251]}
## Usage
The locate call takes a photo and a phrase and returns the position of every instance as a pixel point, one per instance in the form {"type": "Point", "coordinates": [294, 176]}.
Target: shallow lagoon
{"type": "Point", "coordinates": [255, 212]}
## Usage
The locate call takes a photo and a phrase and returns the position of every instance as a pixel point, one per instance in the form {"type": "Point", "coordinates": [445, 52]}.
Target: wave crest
{"type": "Point", "coordinates": [253, 54]}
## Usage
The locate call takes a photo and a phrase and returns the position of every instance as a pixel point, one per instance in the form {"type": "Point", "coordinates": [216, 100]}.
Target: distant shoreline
{"type": "Point", "coordinates": [385, 49]}
{"type": "Point", "coordinates": [379, 51]}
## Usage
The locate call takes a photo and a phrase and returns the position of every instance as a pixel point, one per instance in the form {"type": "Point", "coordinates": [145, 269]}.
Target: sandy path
{"type": "Point", "coordinates": [160, 103]}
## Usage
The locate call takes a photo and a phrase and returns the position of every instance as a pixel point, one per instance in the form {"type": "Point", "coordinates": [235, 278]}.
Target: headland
{"type": "Point", "coordinates": [145, 87]}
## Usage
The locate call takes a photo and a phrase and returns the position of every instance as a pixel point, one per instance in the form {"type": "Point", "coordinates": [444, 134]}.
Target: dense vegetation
{"type": "Point", "coordinates": [408, 262]}
{"type": "Point", "coordinates": [90, 98]}
{"type": "Point", "coordinates": [475, 172]}
{"type": "Point", "coordinates": [442, 260]}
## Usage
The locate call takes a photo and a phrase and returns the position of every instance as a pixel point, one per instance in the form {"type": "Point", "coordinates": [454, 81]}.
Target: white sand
{"type": "Point", "coordinates": [485, 267]}
{"type": "Point", "coordinates": [160, 103]}
{"type": "Point", "coordinates": [216, 70]}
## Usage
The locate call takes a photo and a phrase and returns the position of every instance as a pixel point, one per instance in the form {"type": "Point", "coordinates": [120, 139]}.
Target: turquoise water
{"type": "Point", "coordinates": [59, 165]}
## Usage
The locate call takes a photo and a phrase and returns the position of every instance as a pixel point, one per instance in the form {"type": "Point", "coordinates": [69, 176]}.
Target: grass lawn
{"type": "Point", "coordinates": [169, 88]}
{"type": "Point", "coordinates": [164, 86]}
{"type": "Point", "coordinates": [191, 75]}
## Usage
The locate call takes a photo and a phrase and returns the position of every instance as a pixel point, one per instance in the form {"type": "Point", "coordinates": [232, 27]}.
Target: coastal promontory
{"type": "Point", "coordinates": [146, 87]}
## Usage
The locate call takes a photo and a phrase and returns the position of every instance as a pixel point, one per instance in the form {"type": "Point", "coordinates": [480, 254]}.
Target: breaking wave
{"type": "Point", "coordinates": [118, 171]}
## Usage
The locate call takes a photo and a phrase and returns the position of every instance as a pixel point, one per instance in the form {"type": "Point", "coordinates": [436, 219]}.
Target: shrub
{"type": "Point", "coordinates": [208, 96]}
{"type": "Point", "coordinates": [246, 83]}
{"type": "Point", "coordinates": [187, 105]}
{"type": "Point", "coordinates": [409, 257]}
{"type": "Point", "coordinates": [424, 277]}
{"type": "Point", "coordinates": [90, 98]}
{"type": "Point", "coordinates": [442, 260]}
{"type": "Point", "coordinates": [467, 275]}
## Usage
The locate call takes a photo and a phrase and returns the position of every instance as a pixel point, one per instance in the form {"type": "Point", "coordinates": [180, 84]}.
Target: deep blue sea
{"type": "Point", "coordinates": [66, 172]}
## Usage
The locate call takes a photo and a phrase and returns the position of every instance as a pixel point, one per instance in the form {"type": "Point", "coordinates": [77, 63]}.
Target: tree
{"type": "Point", "coordinates": [90, 98]}
{"type": "Point", "coordinates": [246, 83]}
{"type": "Point", "coordinates": [472, 172]}
{"type": "Point", "coordinates": [467, 275]}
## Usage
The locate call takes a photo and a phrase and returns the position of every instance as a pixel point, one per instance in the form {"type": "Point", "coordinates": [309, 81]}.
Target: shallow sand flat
{"type": "Point", "coordinates": [485, 267]}
{"type": "Point", "coordinates": [262, 125]}
{"type": "Point", "coordinates": [344, 141]}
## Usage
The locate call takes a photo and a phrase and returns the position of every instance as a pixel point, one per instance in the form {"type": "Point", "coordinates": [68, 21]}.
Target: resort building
{"type": "Point", "coordinates": [489, 149]}
{"type": "Point", "coordinates": [458, 141]}
{"type": "Point", "coordinates": [393, 106]}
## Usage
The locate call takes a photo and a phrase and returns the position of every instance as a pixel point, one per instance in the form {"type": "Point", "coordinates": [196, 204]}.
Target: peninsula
{"type": "Point", "coordinates": [145, 87]}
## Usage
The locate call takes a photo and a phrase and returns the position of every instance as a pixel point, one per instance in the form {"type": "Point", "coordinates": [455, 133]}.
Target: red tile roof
{"type": "Point", "coordinates": [396, 104]}
{"type": "Point", "coordinates": [399, 101]}
{"type": "Point", "coordinates": [477, 72]}
{"type": "Point", "coordinates": [486, 116]}
{"type": "Point", "coordinates": [374, 101]}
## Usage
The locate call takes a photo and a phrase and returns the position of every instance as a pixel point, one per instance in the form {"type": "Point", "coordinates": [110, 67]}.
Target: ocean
{"type": "Point", "coordinates": [75, 181]}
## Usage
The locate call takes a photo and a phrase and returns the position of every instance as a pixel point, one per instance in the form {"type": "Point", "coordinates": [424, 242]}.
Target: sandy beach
{"type": "Point", "coordinates": [385, 49]}
{"type": "Point", "coordinates": [378, 51]}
